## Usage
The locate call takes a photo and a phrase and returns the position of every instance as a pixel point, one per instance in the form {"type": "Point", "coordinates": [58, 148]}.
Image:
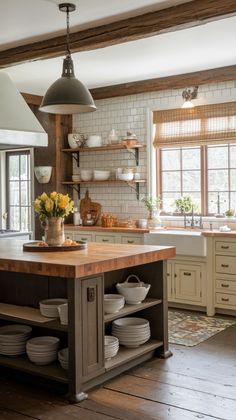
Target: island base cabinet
{"type": "Point", "coordinates": [87, 325]}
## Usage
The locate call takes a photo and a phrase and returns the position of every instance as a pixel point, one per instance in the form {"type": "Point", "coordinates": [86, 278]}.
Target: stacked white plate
{"type": "Point", "coordinates": [111, 346]}
{"type": "Point", "coordinates": [13, 339]}
{"type": "Point", "coordinates": [49, 307]}
{"type": "Point", "coordinates": [42, 350]}
{"type": "Point", "coordinates": [131, 332]}
{"type": "Point", "coordinates": [63, 358]}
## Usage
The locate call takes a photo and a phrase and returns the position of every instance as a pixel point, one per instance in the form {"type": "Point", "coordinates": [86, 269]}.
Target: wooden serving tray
{"type": "Point", "coordinates": [34, 247]}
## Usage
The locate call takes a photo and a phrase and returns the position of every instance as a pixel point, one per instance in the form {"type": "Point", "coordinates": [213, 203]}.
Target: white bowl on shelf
{"type": "Point", "coordinates": [86, 174]}
{"type": "Point", "coordinates": [100, 175]}
{"type": "Point", "coordinates": [49, 307]}
{"type": "Point", "coordinates": [125, 177]}
{"type": "Point", "coordinates": [94, 141]}
{"type": "Point", "coordinates": [133, 292]}
{"type": "Point", "coordinates": [111, 346]}
{"type": "Point", "coordinates": [113, 303]}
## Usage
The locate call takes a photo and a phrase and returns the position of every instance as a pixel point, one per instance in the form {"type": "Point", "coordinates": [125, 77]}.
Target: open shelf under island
{"type": "Point", "coordinates": [83, 277]}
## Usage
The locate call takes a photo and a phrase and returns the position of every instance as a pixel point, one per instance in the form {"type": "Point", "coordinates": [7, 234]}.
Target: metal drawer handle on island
{"type": "Point", "coordinates": [224, 247]}
{"type": "Point", "coordinates": [130, 242]}
{"type": "Point", "coordinates": [105, 240]}
{"type": "Point", "coordinates": [225, 265]}
{"type": "Point", "coordinates": [187, 273]}
{"type": "Point", "coordinates": [225, 299]}
{"type": "Point", "coordinates": [84, 239]}
{"type": "Point", "coordinates": [224, 285]}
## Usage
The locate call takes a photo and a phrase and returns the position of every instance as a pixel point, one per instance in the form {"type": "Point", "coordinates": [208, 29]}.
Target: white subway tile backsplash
{"type": "Point", "coordinates": [129, 113]}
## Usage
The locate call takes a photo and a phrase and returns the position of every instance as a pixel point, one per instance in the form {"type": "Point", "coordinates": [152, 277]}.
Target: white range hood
{"type": "Point", "coordinates": [18, 125]}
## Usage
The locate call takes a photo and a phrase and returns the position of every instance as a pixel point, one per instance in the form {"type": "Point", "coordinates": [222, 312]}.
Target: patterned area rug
{"type": "Point", "coordinates": [190, 328]}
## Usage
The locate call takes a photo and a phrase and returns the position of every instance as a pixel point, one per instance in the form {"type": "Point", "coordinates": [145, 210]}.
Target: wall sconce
{"type": "Point", "coordinates": [188, 95]}
{"type": "Point", "coordinates": [43, 174]}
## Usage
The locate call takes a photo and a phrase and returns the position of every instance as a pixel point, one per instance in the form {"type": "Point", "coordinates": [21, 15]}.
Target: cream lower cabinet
{"type": "Point", "coordinates": [225, 273]}
{"type": "Point", "coordinates": [186, 282]}
{"type": "Point", "coordinates": [110, 237]}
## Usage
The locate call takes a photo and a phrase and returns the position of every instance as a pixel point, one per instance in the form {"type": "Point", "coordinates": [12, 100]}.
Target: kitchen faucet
{"type": "Point", "coordinates": [194, 222]}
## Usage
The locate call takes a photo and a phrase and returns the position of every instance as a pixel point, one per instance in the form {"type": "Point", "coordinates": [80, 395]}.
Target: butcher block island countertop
{"type": "Point", "coordinates": [96, 258]}
{"type": "Point", "coordinates": [83, 277]}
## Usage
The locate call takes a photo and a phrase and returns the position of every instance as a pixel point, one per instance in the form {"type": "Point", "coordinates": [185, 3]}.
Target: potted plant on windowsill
{"type": "Point", "coordinates": [184, 204]}
{"type": "Point", "coordinates": [230, 213]}
{"type": "Point", "coordinates": [152, 204]}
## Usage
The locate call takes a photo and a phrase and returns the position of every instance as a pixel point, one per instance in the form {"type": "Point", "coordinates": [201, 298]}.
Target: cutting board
{"type": "Point", "coordinates": [87, 206]}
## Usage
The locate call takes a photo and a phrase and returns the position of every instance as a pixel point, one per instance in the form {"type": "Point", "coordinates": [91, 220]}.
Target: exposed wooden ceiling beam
{"type": "Point", "coordinates": [222, 74]}
{"type": "Point", "coordinates": [32, 99]}
{"type": "Point", "coordinates": [182, 16]}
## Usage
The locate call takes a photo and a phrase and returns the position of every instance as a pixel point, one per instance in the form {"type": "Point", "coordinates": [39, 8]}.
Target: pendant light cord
{"type": "Point", "coordinates": [68, 32]}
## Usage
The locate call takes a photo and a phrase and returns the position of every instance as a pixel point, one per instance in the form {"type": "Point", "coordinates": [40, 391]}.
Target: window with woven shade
{"type": "Point", "coordinates": [196, 156]}
{"type": "Point", "coordinates": [206, 124]}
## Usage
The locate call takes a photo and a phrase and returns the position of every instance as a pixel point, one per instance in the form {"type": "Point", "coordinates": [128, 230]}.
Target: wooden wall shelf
{"type": "Point", "coordinates": [133, 184]}
{"type": "Point", "coordinates": [111, 147]}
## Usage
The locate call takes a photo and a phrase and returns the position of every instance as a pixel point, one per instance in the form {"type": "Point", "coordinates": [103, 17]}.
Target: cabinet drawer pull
{"type": "Point", "coordinates": [225, 299]}
{"type": "Point", "coordinates": [130, 242]}
{"type": "Point", "coordinates": [168, 274]}
{"type": "Point", "coordinates": [84, 239]}
{"type": "Point", "coordinates": [90, 294]}
{"type": "Point", "coordinates": [225, 265]}
{"type": "Point", "coordinates": [224, 285]}
{"type": "Point", "coordinates": [105, 240]}
{"type": "Point", "coordinates": [187, 273]}
{"type": "Point", "coordinates": [224, 247]}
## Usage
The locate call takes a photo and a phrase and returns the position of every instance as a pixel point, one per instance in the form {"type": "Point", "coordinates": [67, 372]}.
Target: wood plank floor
{"type": "Point", "coordinates": [195, 383]}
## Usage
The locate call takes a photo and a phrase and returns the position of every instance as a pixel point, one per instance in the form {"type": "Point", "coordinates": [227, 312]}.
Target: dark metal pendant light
{"type": "Point", "coordinates": [67, 95]}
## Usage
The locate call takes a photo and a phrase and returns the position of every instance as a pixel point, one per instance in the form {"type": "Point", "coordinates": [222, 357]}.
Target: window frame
{"type": "Point", "coordinates": [204, 171]}
{"type": "Point", "coordinates": [8, 154]}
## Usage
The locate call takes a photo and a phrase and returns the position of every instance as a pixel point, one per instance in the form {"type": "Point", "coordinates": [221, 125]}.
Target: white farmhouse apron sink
{"type": "Point", "coordinates": [187, 242]}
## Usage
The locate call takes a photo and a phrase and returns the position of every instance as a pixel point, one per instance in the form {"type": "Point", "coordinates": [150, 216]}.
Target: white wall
{"type": "Point", "coordinates": [130, 113]}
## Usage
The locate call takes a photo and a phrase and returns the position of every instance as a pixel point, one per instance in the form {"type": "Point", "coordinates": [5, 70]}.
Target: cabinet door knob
{"type": "Point", "coordinates": [224, 285]}
{"type": "Point", "coordinates": [168, 274]}
{"type": "Point", "coordinates": [224, 247]}
{"type": "Point", "coordinates": [187, 273]}
{"type": "Point", "coordinates": [225, 265]}
{"type": "Point", "coordinates": [225, 299]}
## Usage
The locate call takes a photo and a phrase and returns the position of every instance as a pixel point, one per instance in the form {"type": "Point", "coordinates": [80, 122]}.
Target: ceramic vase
{"type": "Point", "coordinates": [54, 231]}
{"type": "Point", "coordinates": [154, 220]}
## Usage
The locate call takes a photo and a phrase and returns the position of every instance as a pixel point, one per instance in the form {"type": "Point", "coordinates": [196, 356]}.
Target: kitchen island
{"type": "Point", "coordinates": [83, 277]}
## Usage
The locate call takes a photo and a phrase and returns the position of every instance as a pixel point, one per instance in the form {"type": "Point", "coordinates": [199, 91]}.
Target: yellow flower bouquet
{"type": "Point", "coordinates": [53, 205]}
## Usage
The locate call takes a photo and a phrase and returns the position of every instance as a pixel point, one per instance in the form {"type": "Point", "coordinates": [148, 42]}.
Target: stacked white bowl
{"type": "Point", "coordinates": [13, 339]}
{"type": "Point", "coordinates": [63, 358]}
{"type": "Point", "coordinates": [111, 346]}
{"type": "Point", "coordinates": [100, 175]}
{"type": "Point", "coordinates": [49, 307]}
{"type": "Point", "coordinates": [42, 350]}
{"type": "Point", "coordinates": [113, 303]}
{"type": "Point", "coordinates": [76, 178]}
{"type": "Point", "coordinates": [86, 174]}
{"type": "Point", "coordinates": [131, 332]}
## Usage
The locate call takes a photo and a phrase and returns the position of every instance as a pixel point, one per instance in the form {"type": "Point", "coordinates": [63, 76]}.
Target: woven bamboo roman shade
{"type": "Point", "coordinates": [206, 124]}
